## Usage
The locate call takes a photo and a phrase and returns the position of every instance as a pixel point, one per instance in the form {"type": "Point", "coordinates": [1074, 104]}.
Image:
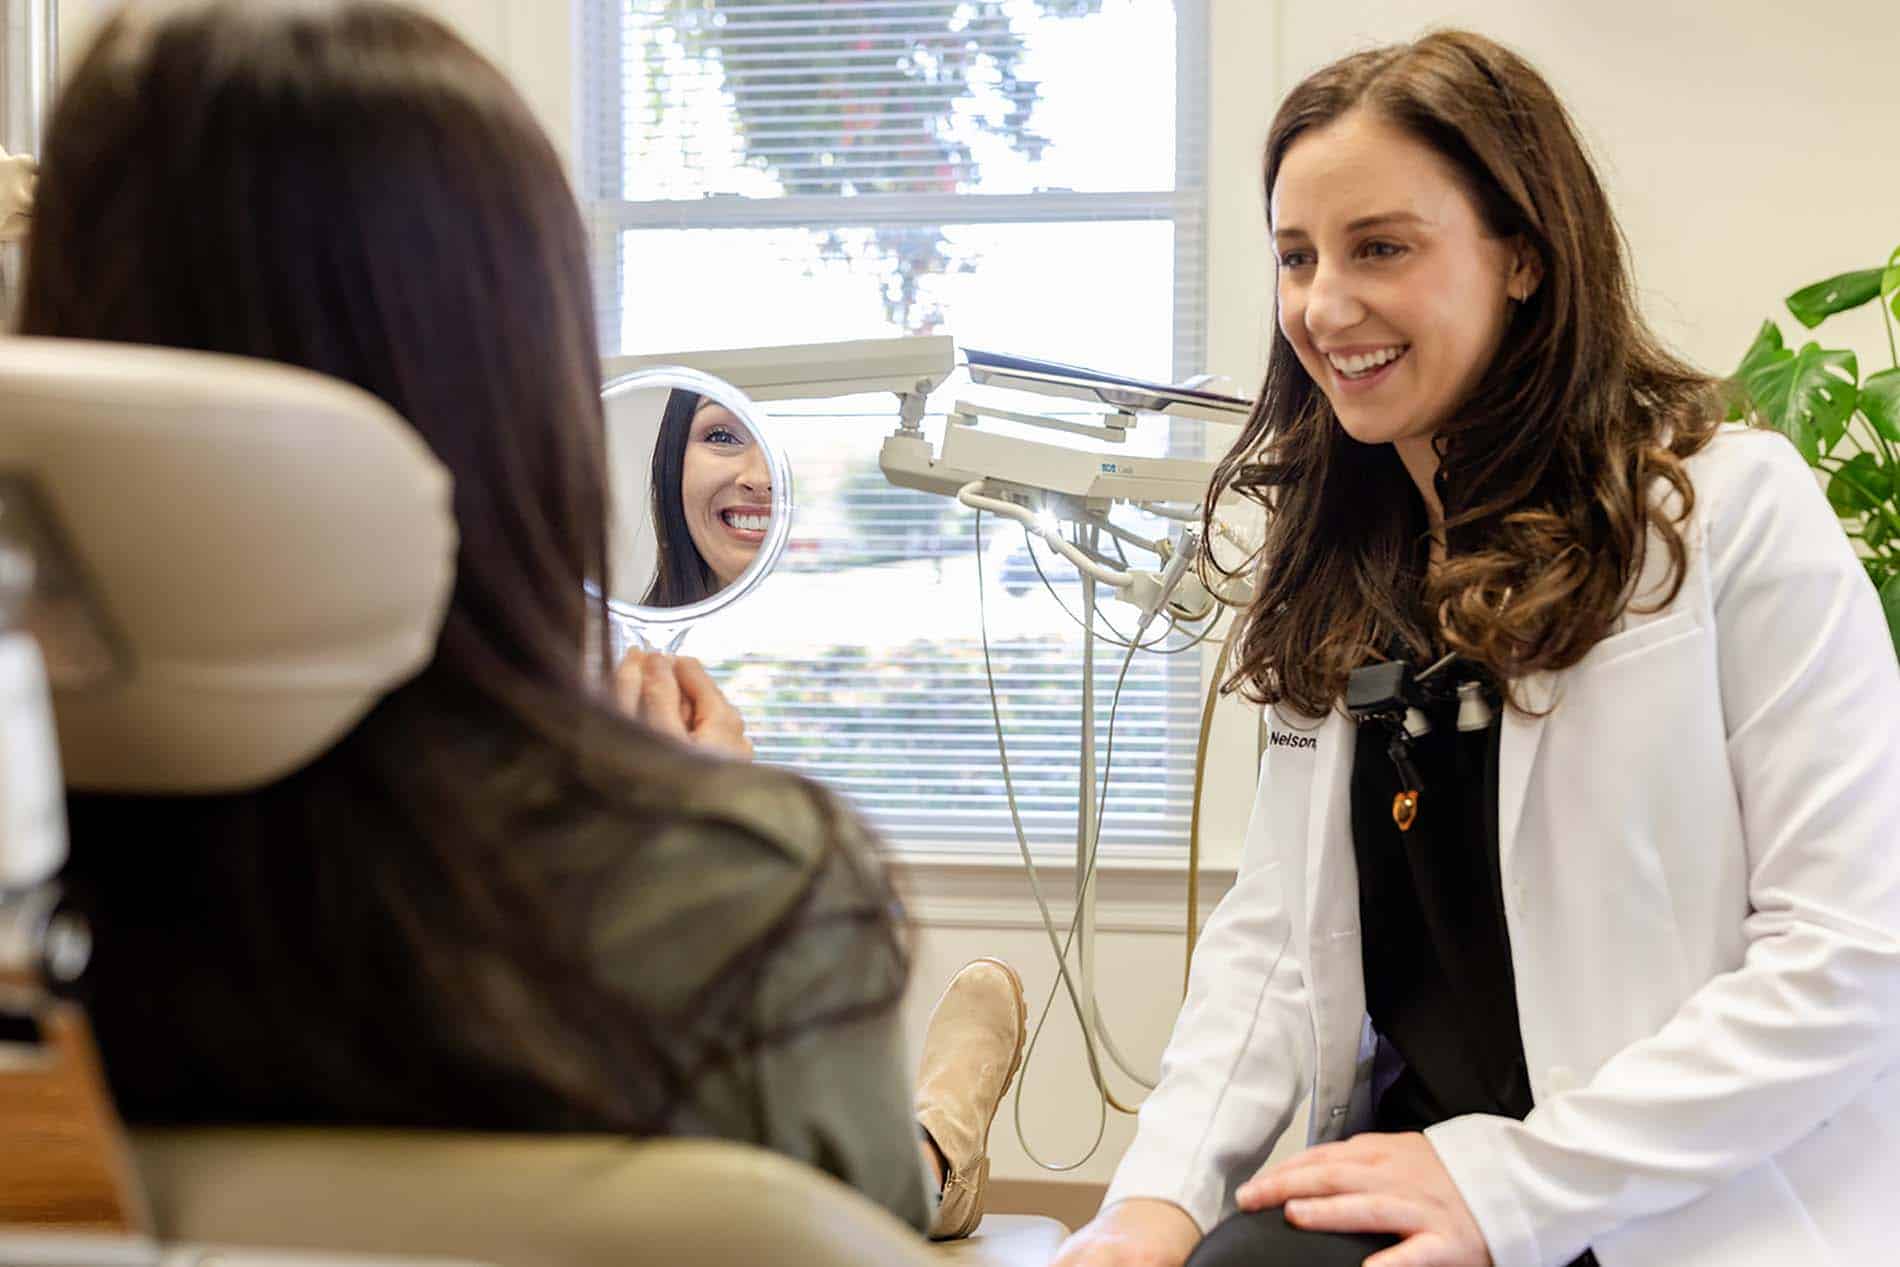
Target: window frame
{"type": "Point", "coordinates": [602, 99]}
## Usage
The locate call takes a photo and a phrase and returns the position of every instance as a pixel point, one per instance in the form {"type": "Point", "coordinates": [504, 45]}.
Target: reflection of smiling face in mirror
{"type": "Point", "coordinates": [725, 491]}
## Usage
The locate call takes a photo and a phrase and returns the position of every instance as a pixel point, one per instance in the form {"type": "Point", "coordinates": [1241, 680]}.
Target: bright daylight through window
{"type": "Point", "coordinates": [1025, 175]}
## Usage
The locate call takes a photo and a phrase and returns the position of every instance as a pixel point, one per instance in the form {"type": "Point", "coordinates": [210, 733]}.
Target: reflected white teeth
{"type": "Point", "coordinates": [748, 523]}
{"type": "Point", "coordinates": [1358, 366]}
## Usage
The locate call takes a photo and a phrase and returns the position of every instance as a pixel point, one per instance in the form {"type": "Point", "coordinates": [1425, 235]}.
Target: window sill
{"type": "Point", "coordinates": [1135, 893]}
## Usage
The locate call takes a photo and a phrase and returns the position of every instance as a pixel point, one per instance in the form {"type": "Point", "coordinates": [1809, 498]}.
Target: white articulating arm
{"type": "Point", "coordinates": [816, 371]}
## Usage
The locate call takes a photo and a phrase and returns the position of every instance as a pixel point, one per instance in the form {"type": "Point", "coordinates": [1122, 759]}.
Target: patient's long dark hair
{"type": "Point", "coordinates": [400, 932]}
{"type": "Point", "coordinates": [681, 575]}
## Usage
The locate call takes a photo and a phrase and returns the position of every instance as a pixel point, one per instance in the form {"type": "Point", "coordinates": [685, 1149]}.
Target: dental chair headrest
{"type": "Point", "coordinates": [255, 555]}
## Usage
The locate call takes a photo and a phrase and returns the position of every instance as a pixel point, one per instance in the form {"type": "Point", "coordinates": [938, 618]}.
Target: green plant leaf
{"type": "Point", "coordinates": [1880, 401]}
{"type": "Point", "coordinates": [1808, 396]}
{"type": "Point", "coordinates": [1859, 486]}
{"type": "Point", "coordinates": [1763, 354]}
{"type": "Point", "coordinates": [1890, 601]}
{"type": "Point", "coordinates": [1811, 305]}
{"type": "Point", "coordinates": [1828, 384]}
{"type": "Point", "coordinates": [1766, 350]}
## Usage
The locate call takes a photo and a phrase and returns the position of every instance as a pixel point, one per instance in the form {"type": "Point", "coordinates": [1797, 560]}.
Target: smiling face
{"type": "Point", "coordinates": [1392, 290]}
{"type": "Point", "coordinates": [725, 491]}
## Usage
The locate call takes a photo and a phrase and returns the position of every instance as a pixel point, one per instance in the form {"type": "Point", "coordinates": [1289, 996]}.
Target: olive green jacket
{"type": "Point", "coordinates": [786, 1063]}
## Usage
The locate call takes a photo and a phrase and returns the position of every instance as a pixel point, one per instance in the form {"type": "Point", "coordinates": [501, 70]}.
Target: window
{"type": "Point", "coordinates": [1023, 174]}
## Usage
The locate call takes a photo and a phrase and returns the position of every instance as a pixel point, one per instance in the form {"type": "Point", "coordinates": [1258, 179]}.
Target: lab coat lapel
{"type": "Point", "coordinates": [1336, 986]}
{"type": "Point", "coordinates": [1332, 876]}
{"type": "Point", "coordinates": [1517, 756]}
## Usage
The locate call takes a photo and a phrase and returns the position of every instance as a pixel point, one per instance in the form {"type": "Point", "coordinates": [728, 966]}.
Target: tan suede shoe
{"type": "Point", "coordinates": [971, 1050]}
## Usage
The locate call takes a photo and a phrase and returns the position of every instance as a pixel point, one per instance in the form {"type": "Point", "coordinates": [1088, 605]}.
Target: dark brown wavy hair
{"type": "Point", "coordinates": [404, 932]}
{"type": "Point", "coordinates": [681, 575]}
{"type": "Point", "coordinates": [1547, 479]}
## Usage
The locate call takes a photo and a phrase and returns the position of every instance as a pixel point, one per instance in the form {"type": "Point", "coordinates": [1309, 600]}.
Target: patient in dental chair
{"type": "Point", "coordinates": [511, 898]}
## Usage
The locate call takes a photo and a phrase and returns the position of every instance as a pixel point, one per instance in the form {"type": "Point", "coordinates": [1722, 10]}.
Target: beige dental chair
{"type": "Point", "coordinates": [230, 563]}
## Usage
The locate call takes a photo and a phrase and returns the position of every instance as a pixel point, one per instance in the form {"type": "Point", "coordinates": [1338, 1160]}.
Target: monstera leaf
{"type": "Point", "coordinates": [1807, 395]}
{"type": "Point", "coordinates": [1814, 304]}
{"type": "Point", "coordinates": [1764, 354]}
{"type": "Point", "coordinates": [1859, 486]}
{"type": "Point", "coordinates": [1880, 401]}
{"type": "Point", "coordinates": [1813, 396]}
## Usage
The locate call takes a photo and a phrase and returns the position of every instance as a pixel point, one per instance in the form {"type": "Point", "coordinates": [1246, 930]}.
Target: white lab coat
{"type": "Point", "coordinates": [1701, 877]}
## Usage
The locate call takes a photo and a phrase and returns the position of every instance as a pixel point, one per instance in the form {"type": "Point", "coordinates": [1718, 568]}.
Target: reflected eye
{"type": "Point", "coordinates": [1382, 250]}
{"type": "Point", "coordinates": [1296, 259]}
{"type": "Point", "coordinates": [722, 435]}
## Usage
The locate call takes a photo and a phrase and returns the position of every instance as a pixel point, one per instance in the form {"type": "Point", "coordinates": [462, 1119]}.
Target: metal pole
{"type": "Point", "coordinates": [29, 56]}
{"type": "Point", "coordinates": [29, 53]}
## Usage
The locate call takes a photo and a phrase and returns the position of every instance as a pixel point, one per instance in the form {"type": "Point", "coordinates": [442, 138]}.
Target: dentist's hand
{"type": "Point", "coordinates": [1393, 1184]}
{"type": "Point", "coordinates": [1139, 1232]}
{"type": "Point", "coordinates": [675, 696]}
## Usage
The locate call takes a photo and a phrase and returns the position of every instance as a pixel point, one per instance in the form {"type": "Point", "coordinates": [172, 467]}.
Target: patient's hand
{"type": "Point", "coordinates": [1139, 1232]}
{"type": "Point", "coordinates": [675, 696]}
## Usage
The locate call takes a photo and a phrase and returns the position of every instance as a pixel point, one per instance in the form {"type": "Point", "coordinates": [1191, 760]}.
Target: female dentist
{"type": "Point", "coordinates": [1587, 949]}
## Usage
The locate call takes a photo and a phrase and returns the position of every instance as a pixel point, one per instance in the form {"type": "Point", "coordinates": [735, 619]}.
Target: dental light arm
{"type": "Point", "coordinates": [911, 367]}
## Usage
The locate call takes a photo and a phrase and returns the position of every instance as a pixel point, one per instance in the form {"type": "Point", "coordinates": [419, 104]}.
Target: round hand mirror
{"type": "Point", "coordinates": [701, 501]}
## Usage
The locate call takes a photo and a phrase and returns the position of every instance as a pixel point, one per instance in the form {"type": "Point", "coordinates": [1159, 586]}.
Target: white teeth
{"type": "Point", "coordinates": [748, 523]}
{"type": "Point", "coordinates": [1354, 366]}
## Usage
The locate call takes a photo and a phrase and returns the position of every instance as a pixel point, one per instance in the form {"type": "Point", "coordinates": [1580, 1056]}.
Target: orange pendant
{"type": "Point", "coordinates": [1405, 810]}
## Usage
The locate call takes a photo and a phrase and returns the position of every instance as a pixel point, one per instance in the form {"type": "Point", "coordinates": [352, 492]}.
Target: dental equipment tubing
{"type": "Point", "coordinates": [1144, 590]}
{"type": "Point", "coordinates": [1040, 485]}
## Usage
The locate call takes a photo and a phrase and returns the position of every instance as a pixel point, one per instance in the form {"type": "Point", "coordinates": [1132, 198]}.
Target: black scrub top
{"type": "Point", "coordinates": [1437, 951]}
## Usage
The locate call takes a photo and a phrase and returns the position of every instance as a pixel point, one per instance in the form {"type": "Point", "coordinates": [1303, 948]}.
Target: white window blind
{"type": "Point", "coordinates": [1023, 174]}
